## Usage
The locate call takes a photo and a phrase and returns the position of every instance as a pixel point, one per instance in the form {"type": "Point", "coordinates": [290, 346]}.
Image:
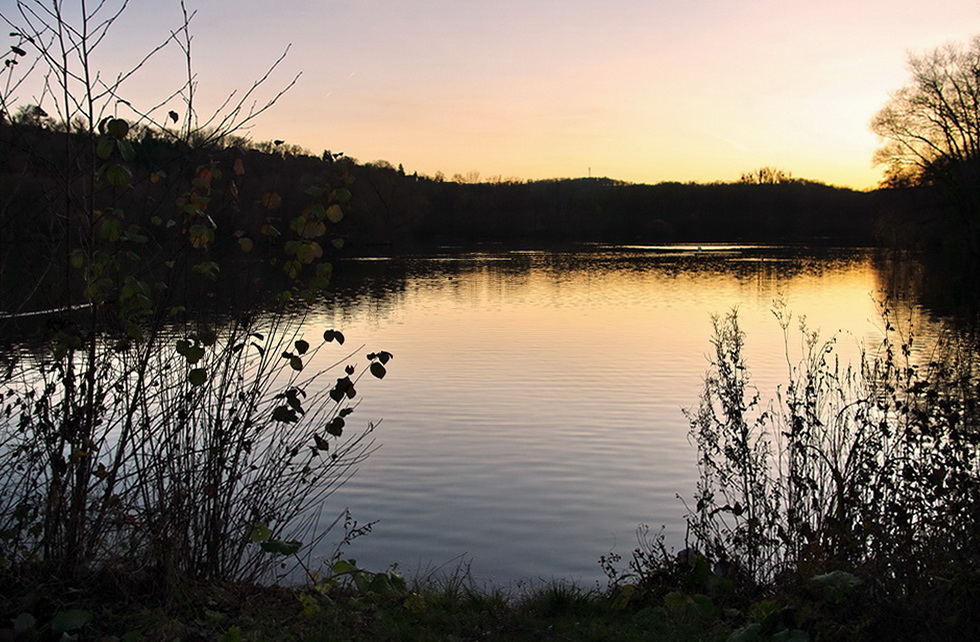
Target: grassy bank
{"type": "Point", "coordinates": [836, 606]}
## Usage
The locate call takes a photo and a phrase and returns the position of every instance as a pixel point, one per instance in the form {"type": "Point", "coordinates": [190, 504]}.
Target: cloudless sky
{"type": "Point", "coordinates": [643, 91]}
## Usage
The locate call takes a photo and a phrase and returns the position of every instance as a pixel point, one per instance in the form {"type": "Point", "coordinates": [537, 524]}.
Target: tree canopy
{"type": "Point", "coordinates": [932, 125]}
{"type": "Point", "coordinates": [930, 134]}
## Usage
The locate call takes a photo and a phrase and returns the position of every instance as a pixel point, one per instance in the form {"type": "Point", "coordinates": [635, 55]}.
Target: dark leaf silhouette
{"type": "Point", "coordinates": [321, 443]}
{"type": "Point", "coordinates": [343, 388]}
{"type": "Point", "coordinates": [336, 426]}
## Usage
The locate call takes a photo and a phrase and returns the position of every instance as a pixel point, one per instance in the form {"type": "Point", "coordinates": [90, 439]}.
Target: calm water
{"type": "Point", "coordinates": [532, 416]}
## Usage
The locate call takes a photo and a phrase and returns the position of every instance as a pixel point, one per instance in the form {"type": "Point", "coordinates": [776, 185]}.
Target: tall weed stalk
{"type": "Point", "coordinates": [871, 468]}
{"type": "Point", "coordinates": [166, 479]}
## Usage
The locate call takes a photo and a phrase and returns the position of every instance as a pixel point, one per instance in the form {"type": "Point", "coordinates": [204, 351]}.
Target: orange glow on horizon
{"type": "Point", "coordinates": [634, 90]}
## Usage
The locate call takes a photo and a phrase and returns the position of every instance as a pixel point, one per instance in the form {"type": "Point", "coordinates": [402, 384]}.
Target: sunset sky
{"type": "Point", "coordinates": [638, 90]}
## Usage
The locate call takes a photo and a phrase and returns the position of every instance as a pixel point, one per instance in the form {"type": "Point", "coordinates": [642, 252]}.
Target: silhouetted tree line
{"type": "Point", "coordinates": [254, 194]}
{"type": "Point", "coordinates": [392, 207]}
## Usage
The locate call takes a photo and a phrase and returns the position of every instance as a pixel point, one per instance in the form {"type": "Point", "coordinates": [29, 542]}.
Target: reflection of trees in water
{"type": "Point", "coordinates": [381, 284]}
{"type": "Point", "coordinates": [899, 275]}
{"type": "Point", "coordinates": [940, 288]}
{"type": "Point", "coordinates": [378, 285]}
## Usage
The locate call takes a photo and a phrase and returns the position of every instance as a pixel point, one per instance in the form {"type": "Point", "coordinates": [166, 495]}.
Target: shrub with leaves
{"type": "Point", "coordinates": [144, 438]}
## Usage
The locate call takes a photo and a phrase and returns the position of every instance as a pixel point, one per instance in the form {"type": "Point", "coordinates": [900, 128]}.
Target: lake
{"type": "Point", "coordinates": [532, 415]}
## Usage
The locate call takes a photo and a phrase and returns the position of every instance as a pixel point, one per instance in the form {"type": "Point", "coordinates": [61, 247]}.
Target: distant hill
{"type": "Point", "coordinates": [392, 207]}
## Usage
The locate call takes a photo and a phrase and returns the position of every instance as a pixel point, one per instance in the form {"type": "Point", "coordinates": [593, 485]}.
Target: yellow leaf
{"type": "Point", "coordinates": [309, 252]}
{"type": "Point", "coordinates": [271, 200]}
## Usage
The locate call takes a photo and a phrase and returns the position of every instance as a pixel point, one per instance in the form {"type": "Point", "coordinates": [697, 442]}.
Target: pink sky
{"type": "Point", "coordinates": [649, 91]}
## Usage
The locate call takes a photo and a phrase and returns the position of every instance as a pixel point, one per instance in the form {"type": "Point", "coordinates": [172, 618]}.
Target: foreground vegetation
{"type": "Point", "coordinates": [147, 446]}
{"type": "Point", "coordinates": [845, 507]}
{"type": "Point", "coordinates": [447, 609]}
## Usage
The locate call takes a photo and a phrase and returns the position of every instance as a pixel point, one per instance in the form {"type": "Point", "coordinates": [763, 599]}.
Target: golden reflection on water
{"type": "Point", "coordinates": [532, 412]}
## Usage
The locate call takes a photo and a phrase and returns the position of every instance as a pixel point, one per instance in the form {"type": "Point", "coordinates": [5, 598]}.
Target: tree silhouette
{"type": "Point", "coordinates": [930, 128]}
{"type": "Point", "coordinates": [766, 176]}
